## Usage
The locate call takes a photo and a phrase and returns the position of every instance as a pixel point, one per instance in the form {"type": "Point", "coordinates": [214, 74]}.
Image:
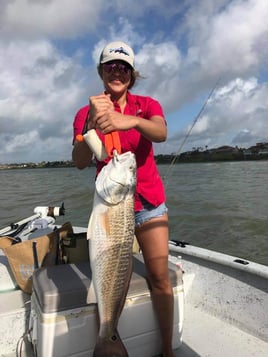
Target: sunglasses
{"type": "Point", "coordinates": [113, 67]}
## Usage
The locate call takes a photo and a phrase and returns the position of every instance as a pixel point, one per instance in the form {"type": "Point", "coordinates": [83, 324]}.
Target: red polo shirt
{"type": "Point", "coordinates": [149, 183]}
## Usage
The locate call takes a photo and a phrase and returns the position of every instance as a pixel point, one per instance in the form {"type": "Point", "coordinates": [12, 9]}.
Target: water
{"type": "Point", "coordinates": [219, 206]}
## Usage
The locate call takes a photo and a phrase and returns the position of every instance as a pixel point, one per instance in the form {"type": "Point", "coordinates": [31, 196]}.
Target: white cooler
{"type": "Point", "coordinates": [63, 324]}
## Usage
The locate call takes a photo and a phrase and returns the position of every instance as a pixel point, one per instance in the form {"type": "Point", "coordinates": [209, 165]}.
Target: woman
{"type": "Point", "coordinates": [139, 121]}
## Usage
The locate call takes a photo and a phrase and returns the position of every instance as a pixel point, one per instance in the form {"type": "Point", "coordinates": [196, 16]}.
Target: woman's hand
{"type": "Point", "coordinates": [105, 118]}
{"type": "Point", "coordinates": [112, 120]}
{"type": "Point", "coordinates": [99, 106]}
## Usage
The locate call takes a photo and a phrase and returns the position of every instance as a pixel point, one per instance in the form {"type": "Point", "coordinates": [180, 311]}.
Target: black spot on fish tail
{"type": "Point", "coordinates": [110, 347]}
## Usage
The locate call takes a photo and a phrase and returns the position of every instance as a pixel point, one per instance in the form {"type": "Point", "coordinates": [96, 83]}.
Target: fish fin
{"type": "Point", "coordinates": [91, 294]}
{"type": "Point", "coordinates": [110, 347]}
{"type": "Point", "coordinates": [90, 225]}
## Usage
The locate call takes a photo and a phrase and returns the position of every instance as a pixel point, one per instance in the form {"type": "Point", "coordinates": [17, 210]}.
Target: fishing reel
{"type": "Point", "coordinates": [53, 212]}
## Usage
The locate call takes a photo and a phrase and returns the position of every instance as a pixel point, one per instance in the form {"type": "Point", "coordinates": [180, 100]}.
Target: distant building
{"type": "Point", "coordinates": [224, 149]}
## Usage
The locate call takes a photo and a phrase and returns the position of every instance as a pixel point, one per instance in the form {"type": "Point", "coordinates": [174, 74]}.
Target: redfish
{"type": "Point", "coordinates": [111, 233]}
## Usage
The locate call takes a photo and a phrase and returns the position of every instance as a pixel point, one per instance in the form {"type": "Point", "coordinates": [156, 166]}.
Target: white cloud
{"type": "Point", "coordinates": [235, 34]}
{"type": "Point", "coordinates": [21, 141]}
{"type": "Point", "coordinates": [54, 18]}
{"type": "Point", "coordinates": [225, 41]}
{"type": "Point", "coordinates": [39, 91]}
{"type": "Point", "coordinates": [159, 64]}
{"type": "Point", "coordinates": [235, 109]}
{"type": "Point", "coordinates": [181, 51]}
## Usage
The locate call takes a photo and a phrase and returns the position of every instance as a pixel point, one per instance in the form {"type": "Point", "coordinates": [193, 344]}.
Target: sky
{"type": "Point", "coordinates": [190, 54]}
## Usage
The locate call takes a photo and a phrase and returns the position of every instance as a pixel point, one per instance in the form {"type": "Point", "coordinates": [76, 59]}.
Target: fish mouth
{"type": "Point", "coordinates": [117, 180]}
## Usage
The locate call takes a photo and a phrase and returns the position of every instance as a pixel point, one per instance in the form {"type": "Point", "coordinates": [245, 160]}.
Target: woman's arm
{"type": "Point", "coordinates": [154, 128]}
{"type": "Point", "coordinates": [81, 154]}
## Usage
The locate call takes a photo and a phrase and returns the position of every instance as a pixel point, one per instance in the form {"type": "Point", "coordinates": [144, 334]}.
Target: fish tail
{"type": "Point", "coordinates": [110, 347]}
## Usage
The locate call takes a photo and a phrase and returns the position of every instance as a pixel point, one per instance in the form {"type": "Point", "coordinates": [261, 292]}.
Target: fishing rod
{"type": "Point", "coordinates": [189, 131]}
{"type": "Point", "coordinates": [39, 212]}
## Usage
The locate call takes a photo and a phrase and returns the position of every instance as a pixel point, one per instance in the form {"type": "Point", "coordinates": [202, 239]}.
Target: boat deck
{"type": "Point", "coordinates": [223, 311]}
{"type": "Point", "coordinates": [209, 336]}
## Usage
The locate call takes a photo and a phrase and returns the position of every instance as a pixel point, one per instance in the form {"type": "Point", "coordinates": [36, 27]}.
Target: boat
{"type": "Point", "coordinates": [221, 303]}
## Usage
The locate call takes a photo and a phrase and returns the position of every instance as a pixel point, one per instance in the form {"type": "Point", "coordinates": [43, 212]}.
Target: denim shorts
{"type": "Point", "coordinates": [148, 212]}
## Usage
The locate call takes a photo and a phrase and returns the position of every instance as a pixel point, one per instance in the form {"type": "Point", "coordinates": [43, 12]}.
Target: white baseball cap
{"type": "Point", "coordinates": [117, 51]}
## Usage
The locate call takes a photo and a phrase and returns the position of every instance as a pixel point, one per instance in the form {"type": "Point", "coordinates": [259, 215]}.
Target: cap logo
{"type": "Point", "coordinates": [119, 50]}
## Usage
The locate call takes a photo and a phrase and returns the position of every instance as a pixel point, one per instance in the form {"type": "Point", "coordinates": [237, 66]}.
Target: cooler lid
{"type": "Point", "coordinates": [65, 287]}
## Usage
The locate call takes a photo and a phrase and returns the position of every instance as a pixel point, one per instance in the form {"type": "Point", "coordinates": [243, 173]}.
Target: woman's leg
{"type": "Point", "coordinates": [153, 240]}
